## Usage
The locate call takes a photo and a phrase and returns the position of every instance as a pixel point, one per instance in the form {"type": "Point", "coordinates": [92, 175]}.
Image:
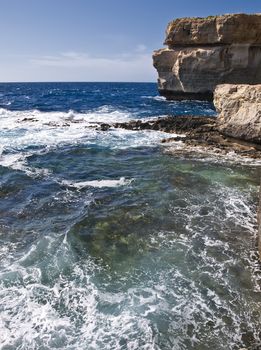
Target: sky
{"type": "Point", "coordinates": [93, 40]}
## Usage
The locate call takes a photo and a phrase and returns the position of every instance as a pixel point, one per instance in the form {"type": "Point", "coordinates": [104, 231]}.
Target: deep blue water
{"type": "Point", "coordinates": [113, 240]}
{"type": "Point", "coordinates": [141, 99]}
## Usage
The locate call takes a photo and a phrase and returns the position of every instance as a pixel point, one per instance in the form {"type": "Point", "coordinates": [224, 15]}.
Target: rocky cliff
{"type": "Point", "coordinates": [239, 108]}
{"type": "Point", "coordinates": [204, 52]}
{"type": "Point", "coordinates": [259, 223]}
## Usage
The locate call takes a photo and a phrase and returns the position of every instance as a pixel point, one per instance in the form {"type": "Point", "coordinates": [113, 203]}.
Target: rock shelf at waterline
{"type": "Point", "coordinates": [195, 131]}
{"type": "Point", "coordinates": [192, 131]}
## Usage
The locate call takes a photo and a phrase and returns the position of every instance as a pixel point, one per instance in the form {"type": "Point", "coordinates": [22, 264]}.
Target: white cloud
{"type": "Point", "coordinates": [136, 66]}
{"type": "Point", "coordinates": [77, 59]}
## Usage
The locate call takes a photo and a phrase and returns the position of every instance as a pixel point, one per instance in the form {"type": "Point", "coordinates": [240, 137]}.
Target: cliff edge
{"type": "Point", "coordinates": [205, 52]}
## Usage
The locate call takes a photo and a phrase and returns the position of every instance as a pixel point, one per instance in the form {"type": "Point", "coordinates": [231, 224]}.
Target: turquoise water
{"type": "Point", "coordinates": [110, 240]}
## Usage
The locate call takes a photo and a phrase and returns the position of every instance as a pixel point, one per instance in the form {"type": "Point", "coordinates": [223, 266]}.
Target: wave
{"type": "Point", "coordinates": [34, 118]}
{"type": "Point", "coordinates": [27, 133]}
{"type": "Point", "coordinates": [18, 161]}
{"type": "Point", "coordinates": [155, 98]}
{"type": "Point", "coordinates": [98, 183]}
{"type": "Point", "coordinates": [20, 129]}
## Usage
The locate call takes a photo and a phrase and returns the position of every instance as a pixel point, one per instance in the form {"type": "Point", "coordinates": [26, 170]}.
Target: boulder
{"type": "Point", "coordinates": [239, 108]}
{"type": "Point", "coordinates": [205, 52]}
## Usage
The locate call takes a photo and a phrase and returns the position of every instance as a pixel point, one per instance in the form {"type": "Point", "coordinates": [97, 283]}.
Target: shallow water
{"type": "Point", "coordinates": [108, 241]}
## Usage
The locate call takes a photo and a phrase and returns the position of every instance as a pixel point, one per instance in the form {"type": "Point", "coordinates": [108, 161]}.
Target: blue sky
{"type": "Point", "coordinates": [93, 40]}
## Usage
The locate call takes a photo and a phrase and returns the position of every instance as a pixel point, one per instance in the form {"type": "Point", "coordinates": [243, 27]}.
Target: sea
{"type": "Point", "coordinates": [114, 240]}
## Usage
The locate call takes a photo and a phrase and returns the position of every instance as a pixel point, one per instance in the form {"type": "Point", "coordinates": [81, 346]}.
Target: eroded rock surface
{"type": "Point", "coordinates": [239, 108]}
{"type": "Point", "coordinates": [259, 223]}
{"type": "Point", "coordinates": [204, 52]}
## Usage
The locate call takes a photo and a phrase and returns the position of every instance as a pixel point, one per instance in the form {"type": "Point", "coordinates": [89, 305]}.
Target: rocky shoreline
{"type": "Point", "coordinates": [259, 222]}
{"type": "Point", "coordinates": [194, 131]}
{"type": "Point", "coordinates": [237, 128]}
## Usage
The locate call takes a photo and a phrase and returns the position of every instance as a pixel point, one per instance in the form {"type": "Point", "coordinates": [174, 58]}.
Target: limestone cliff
{"type": "Point", "coordinates": [259, 223]}
{"type": "Point", "coordinates": [239, 108]}
{"type": "Point", "coordinates": [204, 52]}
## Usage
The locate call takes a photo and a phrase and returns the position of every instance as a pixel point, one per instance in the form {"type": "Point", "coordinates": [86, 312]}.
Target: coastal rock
{"type": "Point", "coordinates": [259, 223]}
{"type": "Point", "coordinates": [170, 124]}
{"type": "Point", "coordinates": [204, 52]}
{"type": "Point", "coordinates": [226, 29]}
{"type": "Point", "coordinates": [239, 108]}
{"type": "Point", "coordinates": [193, 131]}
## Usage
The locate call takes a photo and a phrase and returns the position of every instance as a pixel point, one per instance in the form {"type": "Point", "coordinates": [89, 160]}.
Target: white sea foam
{"type": "Point", "coordinates": [17, 161]}
{"type": "Point", "coordinates": [156, 98]}
{"type": "Point", "coordinates": [67, 311]}
{"type": "Point", "coordinates": [34, 118]}
{"type": "Point", "coordinates": [204, 154]}
{"type": "Point", "coordinates": [182, 284]}
{"type": "Point", "coordinates": [43, 131]}
{"type": "Point", "coordinates": [20, 129]}
{"type": "Point", "coordinates": [97, 183]}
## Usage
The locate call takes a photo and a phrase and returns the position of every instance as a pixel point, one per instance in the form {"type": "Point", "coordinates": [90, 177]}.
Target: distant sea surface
{"type": "Point", "coordinates": [114, 240]}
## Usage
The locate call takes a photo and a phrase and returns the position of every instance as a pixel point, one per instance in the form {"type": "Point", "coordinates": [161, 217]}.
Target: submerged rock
{"type": "Point", "coordinates": [205, 52]}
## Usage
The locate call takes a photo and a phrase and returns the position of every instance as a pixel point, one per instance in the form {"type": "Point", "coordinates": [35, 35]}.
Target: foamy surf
{"type": "Point", "coordinates": [35, 118]}
{"type": "Point", "coordinates": [155, 98]}
{"type": "Point", "coordinates": [21, 129]}
{"type": "Point", "coordinates": [98, 183]}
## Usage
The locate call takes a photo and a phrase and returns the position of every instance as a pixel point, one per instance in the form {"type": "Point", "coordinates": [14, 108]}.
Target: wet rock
{"type": "Point", "coordinates": [29, 120]}
{"type": "Point", "coordinates": [171, 124]}
{"type": "Point", "coordinates": [196, 131]}
{"type": "Point", "coordinates": [104, 127]}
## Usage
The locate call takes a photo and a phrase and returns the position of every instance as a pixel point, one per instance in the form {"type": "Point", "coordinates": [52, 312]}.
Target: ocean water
{"type": "Point", "coordinates": [113, 240]}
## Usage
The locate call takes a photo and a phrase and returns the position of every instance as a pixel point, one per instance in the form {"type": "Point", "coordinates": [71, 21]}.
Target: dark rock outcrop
{"type": "Point", "coordinates": [205, 52]}
{"type": "Point", "coordinates": [171, 124]}
{"type": "Point", "coordinates": [192, 131]}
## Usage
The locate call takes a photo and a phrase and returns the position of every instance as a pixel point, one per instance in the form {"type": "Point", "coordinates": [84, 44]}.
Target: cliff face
{"type": "Point", "coordinates": [259, 223]}
{"type": "Point", "coordinates": [204, 52]}
{"type": "Point", "coordinates": [239, 108]}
